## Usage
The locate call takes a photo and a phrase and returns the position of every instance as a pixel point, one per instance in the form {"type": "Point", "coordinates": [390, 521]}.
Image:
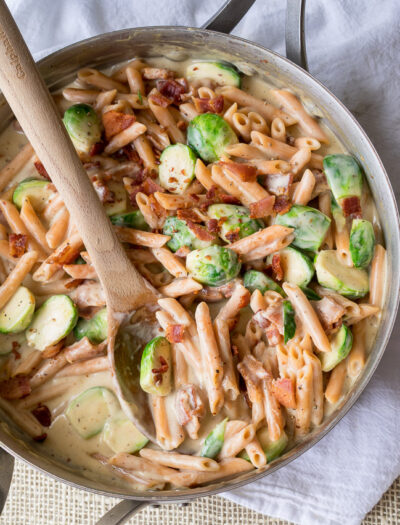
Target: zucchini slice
{"type": "Point", "coordinates": [341, 344]}
{"type": "Point", "coordinates": [156, 355]}
{"type": "Point", "coordinates": [297, 267]}
{"type": "Point", "coordinates": [331, 273]}
{"type": "Point", "coordinates": [121, 435]}
{"type": "Point", "coordinates": [119, 204]}
{"type": "Point", "coordinates": [289, 323]}
{"type": "Point", "coordinates": [95, 329]}
{"type": "Point", "coordinates": [17, 314]}
{"type": "Point", "coordinates": [53, 321]}
{"type": "Point", "coordinates": [176, 170]}
{"type": "Point", "coordinates": [38, 192]}
{"type": "Point", "coordinates": [89, 411]}
{"type": "Point", "coordinates": [221, 73]}
{"type": "Point", "coordinates": [255, 280]}
{"type": "Point", "coordinates": [132, 219]}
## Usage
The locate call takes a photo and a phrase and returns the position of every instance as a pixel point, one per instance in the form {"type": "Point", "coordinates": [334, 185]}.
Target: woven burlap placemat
{"type": "Point", "coordinates": [35, 499]}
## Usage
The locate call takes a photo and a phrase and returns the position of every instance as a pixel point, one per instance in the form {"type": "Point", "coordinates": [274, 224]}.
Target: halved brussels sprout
{"type": "Point", "coordinates": [272, 449]}
{"type": "Point", "coordinates": [181, 235]}
{"type": "Point", "coordinates": [38, 192]}
{"type": "Point", "coordinates": [221, 73]}
{"type": "Point", "coordinates": [341, 344]}
{"type": "Point", "coordinates": [344, 176]}
{"type": "Point", "coordinates": [255, 280]}
{"type": "Point", "coordinates": [331, 273]}
{"type": "Point", "coordinates": [310, 294]}
{"type": "Point", "coordinates": [310, 226]}
{"type": "Point", "coordinates": [236, 221]}
{"type": "Point", "coordinates": [297, 267]}
{"type": "Point", "coordinates": [176, 170]}
{"type": "Point", "coordinates": [83, 126]}
{"type": "Point", "coordinates": [95, 329]}
{"type": "Point", "coordinates": [289, 323]}
{"type": "Point", "coordinates": [214, 441]}
{"type": "Point", "coordinates": [362, 243]}
{"type": "Point", "coordinates": [214, 265]}
{"type": "Point", "coordinates": [121, 435]}
{"type": "Point", "coordinates": [156, 356]}
{"type": "Point", "coordinates": [209, 134]}
{"type": "Point", "coordinates": [132, 219]}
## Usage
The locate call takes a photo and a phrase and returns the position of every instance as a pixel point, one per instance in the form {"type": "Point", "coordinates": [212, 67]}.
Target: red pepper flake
{"type": "Point", "coordinates": [43, 415]}
{"type": "Point", "coordinates": [262, 208]}
{"type": "Point", "coordinates": [352, 207]}
{"type": "Point", "coordinates": [209, 105]}
{"type": "Point", "coordinates": [282, 204]}
{"type": "Point", "coordinates": [41, 170]}
{"type": "Point", "coordinates": [174, 333]}
{"type": "Point", "coordinates": [115, 121]}
{"type": "Point", "coordinates": [245, 172]}
{"type": "Point", "coordinates": [158, 372]}
{"type": "Point", "coordinates": [17, 244]}
{"type": "Point", "coordinates": [277, 267]}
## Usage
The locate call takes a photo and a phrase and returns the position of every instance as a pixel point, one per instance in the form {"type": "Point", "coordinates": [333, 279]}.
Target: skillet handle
{"type": "Point", "coordinates": [295, 32]}
{"type": "Point", "coordinates": [121, 512]}
{"type": "Point", "coordinates": [228, 16]}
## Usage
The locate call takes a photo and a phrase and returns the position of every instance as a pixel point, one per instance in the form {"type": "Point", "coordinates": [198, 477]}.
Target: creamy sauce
{"type": "Point", "coordinates": [63, 443]}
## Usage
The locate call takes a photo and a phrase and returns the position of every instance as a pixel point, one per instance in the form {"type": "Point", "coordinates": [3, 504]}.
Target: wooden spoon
{"type": "Point", "coordinates": [125, 289]}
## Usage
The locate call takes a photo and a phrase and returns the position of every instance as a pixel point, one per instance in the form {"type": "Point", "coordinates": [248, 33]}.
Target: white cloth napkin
{"type": "Point", "coordinates": [354, 49]}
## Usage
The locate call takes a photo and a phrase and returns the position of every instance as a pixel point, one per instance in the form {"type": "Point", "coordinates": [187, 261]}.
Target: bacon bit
{"type": "Point", "coordinates": [209, 105]}
{"type": "Point", "coordinates": [245, 172]}
{"type": "Point", "coordinates": [329, 312]}
{"type": "Point", "coordinates": [156, 207]}
{"type": "Point", "coordinates": [70, 284]}
{"type": "Point", "coordinates": [17, 244]}
{"type": "Point", "coordinates": [284, 391]}
{"type": "Point", "coordinates": [131, 154]}
{"type": "Point", "coordinates": [228, 199]}
{"type": "Point", "coordinates": [158, 372]}
{"type": "Point", "coordinates": [183, 251]}
{"type": "Point", "coordinates": [159, 99]}
{"type": "Point", "coordinates": [282, 204]}
{"type": "Point", "coordinates": [66, 256]}
{"type": "Point", "coordinates": [277, 267]}
{"type": "Point", "coordinates": [115, 121]}
{"type": "Point", "coordinates": [15, 347]}
{"type": "Point", "coordinates": [104, 192]}
{"type": "Point", "coordinates": [199, 231]}
{"type": "Point", "coordinates": [154, 73]}
{"type": "Point", "coordinates": [188, 215]}
{"type": "Point", "coordinates": [15, 388]}
{"type": "Point", "coordinates": [261, 320]}
{"type": "Point", "coordinates": [174, 333]}
{"type": "Point", "coordinates": [97, 148]}
{"type": "Point", "coordinates": [262, 208]}
{"type": "Point", "coordinates": [41, 170]}
{"type": "Point", "coordinates": [233, 235]}
{"type": "Point", "coordinates": [352, 207]}
{"type": "Point", "coordinates": [40, 438]}
{"type": "Point", "coordinates": [279, 183]}
{"type": "Point", "coordinates": [212, 193]}
{"type": "Point", "coordinates": [212, 225]}
{"type": "Point", "coordinates": [188, 404]}
{"type": "Point", "coordinates": [149, 186]}
{"type": "Point", "coordinates": [171, 89]}
{"type": "Point", "coordinates": [273, 335]}
{"type": "Point", "coordinates": [43, 415]}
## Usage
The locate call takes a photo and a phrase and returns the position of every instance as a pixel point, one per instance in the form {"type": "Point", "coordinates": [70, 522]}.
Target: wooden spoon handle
{"type": "Point", "coordinates": [35, 110]}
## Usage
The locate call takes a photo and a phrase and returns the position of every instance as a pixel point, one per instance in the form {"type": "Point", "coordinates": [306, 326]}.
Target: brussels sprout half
{"type": "Point", "coordinates": [362, 242]}
{"type": "Point", "coordinates": [176, 170]}
{"type": "Point", "coordinates": [310, 226]}
{"type": "Point", "coordinates": [221, 73]}
{"type": "Point", "coordinates": [156, 355]}
{"type": "Point", "coordinates": [255, 280]}
{"type": "Point", "coordinates": [209, 134]}
{"type": "Point", "coordinates": [236, 221]}
{"type": "Point", "coordinates": [344, 176]}
{"type": "Point", "coordinates": [83, 126]}
{"type": "Point", "coordinates": [215, 265]}
{"type": "Point", "coordinates": [181, 235]}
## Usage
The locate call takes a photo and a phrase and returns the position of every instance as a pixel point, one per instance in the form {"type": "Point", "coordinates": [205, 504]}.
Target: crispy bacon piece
{"type": "Point", "coordinates": [209, 105]}
{"type": "Point", "coordinates": [154, 73]}
{"type": "Point", "coordinates": [245, 172]}
{"type": "Point", "coordinates": [284, 391]}
{"type": "Point", "coordinates": [41, 170]}
{"type": "Point", "coordinates": [188, 214]}
{"type": "Point", "coordinates": [97, 148]}
{"type": "Point", "coordinates": [103, 191]}
{"type": "Point", "coordinates": [282, 204]}
{"type": "Point", "coordinates": [199, 231]}
{"type": "Point", "coordinates": [147, 186]}
{"type": "Point", "coordinates": [67, 255]}
{"type": "Point", "coordinates": [171, 89]}
{"type": "Point", "coordinates": [212, 225]}
{"type": "Point", "coordinates": [15, 388]}
{"type": "Point", "coordinates": [271, 320]}
{"type": "Point", "coordinates": [228, 199]}
{"type": "Point", "coordinates": [131, 154]}
{"type": "Point", "coordinates": [329, 312]}
{"type": "Point", "coordinates": [158, 372]}
{"type": "Point", "coordinates": [43, 415]}
{"type": "Point", "coordinates": [262, 208]}
{"type": "Point", "coordinates": [233, 235]}
{"type": "Point", "coordinates": [157, 98]}
{"type": "Point", "coordinates": [188, 404]}
{"type": "Point", "coordinates": [17, 244]}
{"type": "Point", "coordinates": [279, 183]}
{"type": "Point", "coordinates": [115, 121]}
{"type": "Point", "coordinates": [273, 335]}
{"type": "Point", "coordinates": [174, 333]}
{"type": "Point", "coordinates": [352, 207]}
{"type": "Point", "coordinates": [277, 267]}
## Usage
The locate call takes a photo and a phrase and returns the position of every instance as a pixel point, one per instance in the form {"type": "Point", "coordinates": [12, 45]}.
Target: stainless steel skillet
{"type": "Point", "coordinates": [179, 43]}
